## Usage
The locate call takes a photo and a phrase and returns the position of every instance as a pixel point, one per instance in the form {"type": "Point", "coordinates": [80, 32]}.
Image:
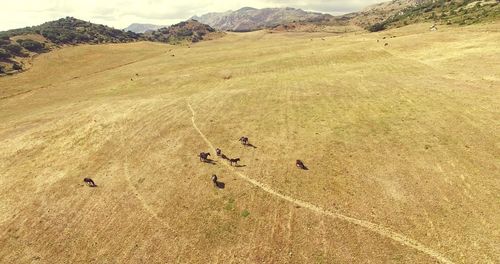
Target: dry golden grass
{"type": "Point", "coordinates": [402, 143]}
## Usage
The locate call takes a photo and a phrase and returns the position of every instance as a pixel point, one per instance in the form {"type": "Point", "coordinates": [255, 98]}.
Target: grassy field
{"type": "Point", "coordinates": [402, 143]}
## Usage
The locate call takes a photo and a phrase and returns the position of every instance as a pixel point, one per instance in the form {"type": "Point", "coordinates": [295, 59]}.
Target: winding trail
{"type": "Point", "coordinates": [381, 230]}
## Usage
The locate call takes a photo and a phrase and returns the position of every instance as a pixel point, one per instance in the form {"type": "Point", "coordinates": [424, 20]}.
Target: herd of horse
{"type": "Point", "coordinates": [204, 158]}
{"type": "Point", "coordinates": [244, 141]}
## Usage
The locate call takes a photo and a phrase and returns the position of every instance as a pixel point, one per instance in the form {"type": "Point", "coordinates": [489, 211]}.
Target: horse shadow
{"type": "Point", "coordinates": [220, 185]}
{"type": "Point", "coordinates": [250, 145]}
{"type": "Point", "coordinates": [304, 168]}
{"type": "Point", "coordinates": [210, 161]}
{"type": "Point", "coordinates": [239, 166]}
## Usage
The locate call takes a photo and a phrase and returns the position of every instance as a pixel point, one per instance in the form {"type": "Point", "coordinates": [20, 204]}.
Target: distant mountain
{"type": "Point", "coordinates": [249, 19]}
{"type": "Point", "coordinates": [187, 31]}
{"type": "Point", "coordinates": [141, 28]}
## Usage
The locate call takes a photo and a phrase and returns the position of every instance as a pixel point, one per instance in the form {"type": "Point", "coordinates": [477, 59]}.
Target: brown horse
{"type": "Point", "coordinates": [218, 152]}
{"type": "Point", "coordinates": [89, 182]}
{"type": "Point", "coordinates": [204, 156]}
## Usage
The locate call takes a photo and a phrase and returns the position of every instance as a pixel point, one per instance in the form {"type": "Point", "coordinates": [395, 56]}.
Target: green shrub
{"type": "Point", "coordinates": [245, 213]}
{"type": "Point", "coordinates": [4, 54]}
{"type": "Point", "coordinates": [13, 48]}
{"type": "Point", "coordinates": [31, 45]}
{"type": "Point", "coordinates": [17, 67]}
{"type": "Point", "coordinates": [4, 41]}
{"type": "Point", "coordinates": [376, 27]}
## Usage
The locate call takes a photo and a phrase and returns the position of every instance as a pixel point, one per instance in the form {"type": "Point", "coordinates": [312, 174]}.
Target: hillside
{"type": "Point", "coordinates": [18, 46]}
{"type": "Point", "coordinates": [401, 143]}
{"type": "Point", "coordinates": [187, 31]}
{"type": "Point", "coordinates": [398, 13]}
{"type": "Point", "coordinates": [70, 30]}
{"type": "Point", "coordinates": [379, 12]}
{"type": "Point", "coordinates": [141, 28]}
{"type": "Point", "coordinates": [460, 12]}
{"type": "Point", "coordinates": [249, 19]}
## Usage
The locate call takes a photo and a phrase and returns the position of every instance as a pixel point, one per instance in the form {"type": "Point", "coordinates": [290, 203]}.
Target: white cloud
{"type": "Point", "coordinates": [121, 13]}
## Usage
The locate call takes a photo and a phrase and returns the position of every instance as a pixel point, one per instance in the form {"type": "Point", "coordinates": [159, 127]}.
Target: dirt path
{"type": "Point", "coordinates": [381, 230]}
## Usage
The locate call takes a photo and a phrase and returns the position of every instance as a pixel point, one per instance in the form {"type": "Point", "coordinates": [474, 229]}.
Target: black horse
{"type": "Point", "coordinates": [89, 182]}
{"type": "Point", "coordinates": [244, 140]}
{"type": "Point", "coordinates": [204, 156]}
{"type": "Point", "coordinates": [300, 165]}
{"type": "Point", "coordinates": [218, 152]}
{"type": "Point", "coordinates": [235, 161]}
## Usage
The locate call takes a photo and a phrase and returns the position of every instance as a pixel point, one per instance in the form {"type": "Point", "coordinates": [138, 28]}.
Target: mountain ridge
{"type": "Point", "coordinates": [142, 27]}
{"type": "Point", "coordinates": [250, 19]}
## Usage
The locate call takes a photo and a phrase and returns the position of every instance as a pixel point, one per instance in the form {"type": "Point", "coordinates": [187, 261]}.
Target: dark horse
{"type": "Point", "coordinates": [224, 156]}
{"type": "Point", "coordinates": [235, 161]}
{"type": "Point", "coordinates": [300, 165]}
{"type": "Point", "coordinates": [90, 182]}
{"type": "Point", "coordinates": [218, 151]}
{"type": "Point", "coordinates": [204, 156]}
{"type": "Point", "coordinates": [244, 140]}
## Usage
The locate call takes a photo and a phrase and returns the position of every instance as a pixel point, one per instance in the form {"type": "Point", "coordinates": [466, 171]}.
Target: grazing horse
{"type": "Point", "coordinates": [218, 151]}
{"type": "Point", "coordinates": [204, 156]}
{"type": "Point", "coordinates": [90, 182]}
{"type": "Point", "coordinates": [214, 180]}
{"type": "Point", "coordinates": [224, 156]}
{"type": "Point", "coordinates": [300, 165]}
{"type": "Point", "coordinates": [235, 161]}
{"type": "Point", "coordinates": [244, 140]}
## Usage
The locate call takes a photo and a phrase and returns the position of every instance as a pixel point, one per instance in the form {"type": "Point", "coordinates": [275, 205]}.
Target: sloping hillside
{"type": "Point", "coordinates": [249, 19]}
{"type": "Point", "coordinates": [18, 46]}
{"type": "Point", "coordinates": [379, 12]}
{"type": "Point", "coordinates": [460, 12]}
{"type": "Point", "coordinates": [70, 30]}
{"type": "Point", "coordinates": [400, 13]}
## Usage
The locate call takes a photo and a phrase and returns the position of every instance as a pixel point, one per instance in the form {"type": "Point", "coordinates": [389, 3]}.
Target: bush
{"type": "Point", "coordinates": [245, 213]}
{"type": "Point", "coordinates": [4, 41]}
{"type": "Point", "coordinates": [4, 54]}
{"type": "Point", "coordinates": [31, 45]}
{"type": "Point", "coordinates": [376, 27]}
{"type": "Point", "coordinates": [13, 48]}
{"type": "Point", "coordinates": [17, 67]}
{"type": "Point", "coordinates": [1, 69]}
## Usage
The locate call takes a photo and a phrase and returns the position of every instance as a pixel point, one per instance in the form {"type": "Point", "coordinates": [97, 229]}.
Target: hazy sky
{"type": "Point", "coordinates": [121, 13]}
